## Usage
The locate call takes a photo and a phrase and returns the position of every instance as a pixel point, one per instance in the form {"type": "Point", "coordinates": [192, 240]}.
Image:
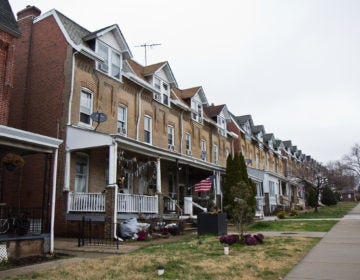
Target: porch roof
{"type": "Point", "coordinates": [26, 141]}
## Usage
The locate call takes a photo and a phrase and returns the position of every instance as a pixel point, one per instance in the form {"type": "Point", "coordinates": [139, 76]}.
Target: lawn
{"type": "Point", "coordinates": [334, 211]}
{"type": "Point", "coordinates": [192, 258]}
{"type": "Point", "coordinates": [293, 225]}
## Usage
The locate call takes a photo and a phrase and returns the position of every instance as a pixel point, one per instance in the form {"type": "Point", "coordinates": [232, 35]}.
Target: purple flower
{"type": "Point", "coordinates": [229, 239]}
{"type": "Point", "coordinates": [250, 240]}
{"type": "Point", "coordinates": [259, 237]}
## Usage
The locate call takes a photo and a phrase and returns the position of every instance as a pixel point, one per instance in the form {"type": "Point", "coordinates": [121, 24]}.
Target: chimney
{"type": "Point", "coordinates": [29, 11]}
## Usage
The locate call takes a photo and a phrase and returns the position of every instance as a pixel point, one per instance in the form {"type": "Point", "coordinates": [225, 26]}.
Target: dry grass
{"type": "Point", "coordinates": [192, 258]}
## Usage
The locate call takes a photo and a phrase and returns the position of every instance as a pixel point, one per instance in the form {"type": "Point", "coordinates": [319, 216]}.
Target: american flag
{"type": "Point", "coordinates": [204, 185]}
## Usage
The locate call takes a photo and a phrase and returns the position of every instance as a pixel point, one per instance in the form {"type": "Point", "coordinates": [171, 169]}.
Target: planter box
{"type": "Point", "coordinates": [212, 223]}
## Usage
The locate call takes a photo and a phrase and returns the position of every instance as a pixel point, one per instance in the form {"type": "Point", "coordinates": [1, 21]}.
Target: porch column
{"type": "Point", "coordinates": [112, 162]}
{"type": "Point", "coordinates": [158, 175]}
{"type": "Point", "coordinates": [67, 171]}
{"type": "Point", "coordinates": [53, 200]}
{"type": "Point", "coordinates": [158, 186]}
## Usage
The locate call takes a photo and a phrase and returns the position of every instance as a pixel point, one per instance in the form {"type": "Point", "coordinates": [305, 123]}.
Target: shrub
{"type": "Point", "coordinates": [259, 238]}
{"type": "Point", "coordinates": [250, 240]}
{"type": "Point", "coordinates": [281, 214]}
{"type": "Point", "coordinates": [328, 197]}
{"type": "Point", "coordinates": [229, 239]}
{"type": "Point", "coordinates": [293, 212]}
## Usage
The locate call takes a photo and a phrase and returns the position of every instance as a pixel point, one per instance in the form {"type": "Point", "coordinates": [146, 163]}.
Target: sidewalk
{"type": "Point", "coordinates": [336, 256]}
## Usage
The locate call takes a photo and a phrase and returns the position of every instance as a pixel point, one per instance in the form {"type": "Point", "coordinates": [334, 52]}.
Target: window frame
{"type": "Point", "coordinates": [83, 159]}
{"type": "Point", "coordinates": [188, 141]}
{"type": "Point", "coordinates": [149, 119]}
{"type": "Point", "coordinates": [124, 121]}
{"type": "Point", "coordinates": [81, 111]}
{"type": "Point", "coordinates": [108, 63]}
{"type": "Point", "coordinates": [171, 136]}
{"type": "Point", "coordinates": [216, 154]}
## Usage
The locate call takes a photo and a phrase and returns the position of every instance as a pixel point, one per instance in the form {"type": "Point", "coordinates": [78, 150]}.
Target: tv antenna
{"type": "Point", "coordinates": [145, 46]}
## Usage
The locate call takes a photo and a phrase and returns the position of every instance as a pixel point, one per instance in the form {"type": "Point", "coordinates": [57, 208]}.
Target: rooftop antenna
{"type": "Point", "coordinates": [145, 46]}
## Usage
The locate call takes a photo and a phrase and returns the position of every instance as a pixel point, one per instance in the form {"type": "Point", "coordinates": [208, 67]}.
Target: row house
{"type": "Point", "coordinates": [134, 142]}
{"type": "Point", "coordinates": [272, 164]}
{"type": "Point", "coordinates": [18, 200]}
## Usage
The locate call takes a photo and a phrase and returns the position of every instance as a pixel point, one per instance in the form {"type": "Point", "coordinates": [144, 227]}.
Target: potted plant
{"type": "Point", "coordinates": [12, 161]}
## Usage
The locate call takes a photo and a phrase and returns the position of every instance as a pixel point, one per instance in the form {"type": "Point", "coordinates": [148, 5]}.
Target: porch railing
{"type": "Point", "coordinates": [133, 203]}
{"type": "Point", "coordinates": [86, 202]}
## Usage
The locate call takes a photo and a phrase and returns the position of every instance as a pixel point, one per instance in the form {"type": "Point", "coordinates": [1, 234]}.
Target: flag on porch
{"type": "Point", "coordinates": [204, 185]}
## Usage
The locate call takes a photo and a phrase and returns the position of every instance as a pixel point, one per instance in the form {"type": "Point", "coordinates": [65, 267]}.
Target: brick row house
{"type": "Point", "coordinates": [274, 165]}
{"type": "Point", "coordinates": [134, 142]}
{"type": "Point", "coordinates": [18, 150]}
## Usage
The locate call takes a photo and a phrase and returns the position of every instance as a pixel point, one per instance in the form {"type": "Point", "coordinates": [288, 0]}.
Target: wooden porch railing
{"type": "Point", "coordinates": [133, 203]}
{"type": "Point", "coordinates": [86, 202]}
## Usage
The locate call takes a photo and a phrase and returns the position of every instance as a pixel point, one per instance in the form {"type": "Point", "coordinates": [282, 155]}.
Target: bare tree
{"type": "Point", "coordinates": [351, 161]}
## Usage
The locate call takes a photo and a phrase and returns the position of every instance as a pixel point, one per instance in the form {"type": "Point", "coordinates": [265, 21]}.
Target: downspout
{"type": "Point", "coordinates": [112, 180]}
{"type": "Point", "coordinates": [52, 222]}
{"type": "Point", "coordinates": [181, 131]}
{"type": "Point", "coordinates": [138, 114]}
{"type": "Point", "coordinates": [67, 152]}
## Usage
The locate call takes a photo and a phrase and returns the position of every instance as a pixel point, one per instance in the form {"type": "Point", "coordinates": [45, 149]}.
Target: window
{"type": "Point", "coordinates": [85, 106]}
{"type": "Point", "coordinates": [147, 129]}
{"type": "Point", "coordinates": [81, 173]}
{"type": "Point", "coordinates": [216, 154]}
{"type": "Point", "coordinates": [271, 188]}
{"type": "Point", "coordinates": [122, 120]}
{"type": "Point", "coordinates": [112, 60]}
{"type": "Point", "coordinates": [227, 152]}
{"type": "Point", "coordinates": [163, 88]}
{"type": "Point", "coordinates": [188, 141]}
{"type": "Point", "coordinates": [203, 149]}
{"type": "Point", "coordinates": [171, 132]}
{"type": "Point", "coordinates": [222, 125]}
{"type": "Point", "coordinates": [197, 110]}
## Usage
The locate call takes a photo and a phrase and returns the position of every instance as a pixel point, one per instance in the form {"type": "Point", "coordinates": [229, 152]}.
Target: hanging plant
{"type": "Point", "coordinates": [12, 161]}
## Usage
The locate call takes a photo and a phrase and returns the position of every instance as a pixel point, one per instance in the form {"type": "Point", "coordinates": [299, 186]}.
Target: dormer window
{"type": "Point", "coordinates": [163, 91]}
{"type": "Point", "coordinates": [112, 60]}
{"type": "Point", "coordinates": [197, 110]}
{"type": "Point", "coordinates": [221, 125]}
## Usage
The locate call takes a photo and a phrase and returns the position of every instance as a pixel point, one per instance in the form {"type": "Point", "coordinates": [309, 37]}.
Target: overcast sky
{"type": "Point", "coordinates": [293, 65]}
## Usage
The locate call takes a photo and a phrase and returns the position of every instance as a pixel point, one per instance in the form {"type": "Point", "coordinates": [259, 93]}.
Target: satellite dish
{"type": "Point", "coordinates": [98, 117]}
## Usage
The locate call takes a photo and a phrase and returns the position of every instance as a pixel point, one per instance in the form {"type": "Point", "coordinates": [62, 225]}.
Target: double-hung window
{"type": "Point", "coordinates": [216, 154]}
{"type": "Point", "coordinates": [171, 135]}
{"type": "Point", "coordinates": [188, 142]}
{"type": "Point", "coordinates": [86, 98]}
{"type": "Point", "coordinates": [163, 88]}
{"type": "Point", "coordinates": [203, 149]}
{"type": "Point", "coordinates": [122, 120]}
{"type": "Point", "coordinates": [112, 60]}
{"type": "Point", "coordinates": [81, 173]}
{"type": "Point", "coordinates": [147, 129]}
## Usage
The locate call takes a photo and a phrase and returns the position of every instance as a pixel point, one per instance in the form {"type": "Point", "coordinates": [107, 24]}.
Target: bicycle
{"type": "Point", "coordinates": [18, 224]}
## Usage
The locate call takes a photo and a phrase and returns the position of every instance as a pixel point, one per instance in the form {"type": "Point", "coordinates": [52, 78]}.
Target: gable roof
{"type": "Point", "coordinates": [213, 111]}
{"type": "Point", "coordinates": [258, 128]}
{"type": "Point", "coordinates": [77, 36]}
{"type": "Point", "coordinates": [7, 19]}
{"type": "Point", "coordinates": [243, 119]}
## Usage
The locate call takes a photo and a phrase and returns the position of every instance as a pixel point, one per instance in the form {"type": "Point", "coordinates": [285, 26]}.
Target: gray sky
{"type": "Point", "coordinates": [293, 65]}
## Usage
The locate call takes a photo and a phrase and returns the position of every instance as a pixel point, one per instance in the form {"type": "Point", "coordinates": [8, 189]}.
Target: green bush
{"type": "Point", "coordinates": [328, 197]}
{"type": "Point", "coordinates": [281, 214]}
{"type": "Point", "coordinates": [293, 212]}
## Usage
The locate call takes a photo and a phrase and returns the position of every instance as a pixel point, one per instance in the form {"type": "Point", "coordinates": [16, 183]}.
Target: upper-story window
{"type": "Point", "coordinates": [171, 135]}
{"type": "Point", "coordinates": [188, 143]}
{"type": "Point", "coordinates": [122, 120]}
{"type": "Point", "coordinates": [86, 104]}
{"type": "Point", "coordinates": [216, 154]}
{"type": "Point", "coordinates": [112, 60]}
{"type": "Point", "coordinates": [227, 152]}
{"type": "Point", "coordinates": [246, 127]}
{"type": "Point", "coordinates": [222, 125]}
{"type": "Point", "coordinates": [203, 149]}
{"type": "Point", "coordinates": [164, 91]}
{"type": "Point", "coordinates": [197, 110]}
{"type": "Point", "coordinates": [147, 129]}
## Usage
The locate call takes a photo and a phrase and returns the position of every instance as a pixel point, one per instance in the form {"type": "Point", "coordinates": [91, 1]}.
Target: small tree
{"type": "Point", "coordinates": [328, 196]}
{"type": "Point", "coordinates": [312, 199]}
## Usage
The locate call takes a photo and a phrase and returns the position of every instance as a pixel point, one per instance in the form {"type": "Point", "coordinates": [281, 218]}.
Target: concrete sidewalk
{"type": "Point", "coordinates": [336, 256]}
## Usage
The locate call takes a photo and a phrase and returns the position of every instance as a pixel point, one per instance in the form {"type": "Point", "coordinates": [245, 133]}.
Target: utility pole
{"type": "Point", "coordinates": [145, 46]}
